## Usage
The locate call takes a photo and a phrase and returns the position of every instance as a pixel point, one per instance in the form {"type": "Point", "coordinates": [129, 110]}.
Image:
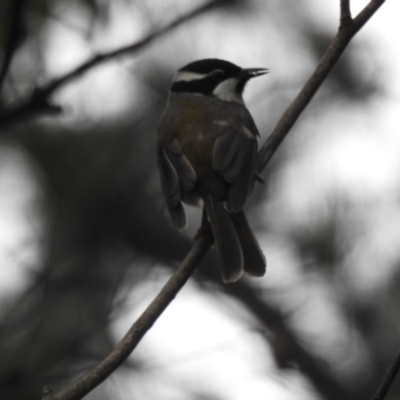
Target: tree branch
{"type": "Point", "coordinates": [348, 28]}
{"type": "Point", "coordinates": [345, 13]}
{"type": "Point", "coordinates": [368, 11]}
{"type": "Point", "coordinates": [124, 348]}
{"type": "Point", "coordinates": [388, 378]}
{"type": "Point", "coordinates": [39, 101]}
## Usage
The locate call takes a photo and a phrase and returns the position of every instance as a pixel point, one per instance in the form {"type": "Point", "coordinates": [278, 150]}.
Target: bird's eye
{"type": "Point", "coordinates": [217, 74]}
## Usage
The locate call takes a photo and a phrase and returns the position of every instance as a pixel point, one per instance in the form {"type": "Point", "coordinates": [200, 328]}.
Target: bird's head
{"type": "Point", "coordinates": [214, 77]}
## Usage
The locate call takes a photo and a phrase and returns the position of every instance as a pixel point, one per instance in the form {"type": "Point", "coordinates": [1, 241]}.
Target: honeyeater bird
{"type": "Point", "coordinates": [207, 149]}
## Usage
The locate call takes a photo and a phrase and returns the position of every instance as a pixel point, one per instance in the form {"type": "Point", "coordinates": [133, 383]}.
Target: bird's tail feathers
{"type": "Point", "coordinates": [254, 259]}
{"type": "Point", "coordinates": [226, 238]}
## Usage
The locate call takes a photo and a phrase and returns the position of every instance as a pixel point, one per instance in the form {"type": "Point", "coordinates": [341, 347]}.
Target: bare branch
{"type": "Point", "coordinates": [388, 378]}
{"type": "Point", "coordinates": [101, 58]}
{"type": "Point", "coordinates": [368, 11]}
{"type": "Point", "coordinates": [345, 13]}
{"type": "Point", "coordinates": [328, 60]}
{"type": "Point", "coordinates": [39, 101]}
{"type": "Point", "coordinates": [124, 348]}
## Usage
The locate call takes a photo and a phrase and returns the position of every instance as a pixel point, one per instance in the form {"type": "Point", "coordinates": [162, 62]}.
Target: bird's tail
{"type": "Point", "coordinates": [238, 248]}
{"type": "Point", "coordinates": [254, 260]}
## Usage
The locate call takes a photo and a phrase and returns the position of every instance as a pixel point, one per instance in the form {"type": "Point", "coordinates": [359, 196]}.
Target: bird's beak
{"type": "Point", "coordinates": [249, 73]}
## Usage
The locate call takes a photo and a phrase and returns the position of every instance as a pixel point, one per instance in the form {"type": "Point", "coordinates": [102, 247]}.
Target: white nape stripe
{"type": "Point", "coordinates": [187, 76]}
{"type": "Point", "coordinates": [226, 90]}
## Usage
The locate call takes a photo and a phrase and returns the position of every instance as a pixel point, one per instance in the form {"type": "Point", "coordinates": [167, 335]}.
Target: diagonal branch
{"type": "Point", "coordinates": [388, 378]}
{"type": "Point", "coordinates": [368, 11]}
{"type": "Point", "coordinates": [39, 101]}
{"type": "Point", "coordinates": [101, 58]}
{"type": "Point", "coordinates": [347, 29]}
{"type": "Point", "coordinates": [125, 347]}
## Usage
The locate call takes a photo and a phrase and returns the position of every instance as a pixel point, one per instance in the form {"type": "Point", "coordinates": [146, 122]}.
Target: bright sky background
{"type": "Point", "coordinates": [194, 339]}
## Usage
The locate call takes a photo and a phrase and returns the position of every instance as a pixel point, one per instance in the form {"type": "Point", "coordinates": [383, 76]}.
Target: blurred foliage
{"type": "Point", "coordinates": [103, 227]}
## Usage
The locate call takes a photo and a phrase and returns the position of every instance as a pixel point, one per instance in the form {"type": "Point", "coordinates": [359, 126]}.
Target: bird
{"type": "Point", "coordinates": [206, 150]}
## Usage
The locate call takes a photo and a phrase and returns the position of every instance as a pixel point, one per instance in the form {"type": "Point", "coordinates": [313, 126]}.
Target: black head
{"type": "Point", "coordinates": [214, 77]}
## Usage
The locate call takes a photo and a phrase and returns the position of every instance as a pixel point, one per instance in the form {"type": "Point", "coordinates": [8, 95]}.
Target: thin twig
{"type": "Point", "coordinates": [328, 60]}
{"type": "Point", "coordinates": [368, 11]}
{"type": "Point", "coordinates": [101, 58]}
{"type": "Point", "coordinates": [39, 101]}
{"type": "Point", "coordinates": [388, 378]}
{"type": "Point", "coordinates": [124, 348]}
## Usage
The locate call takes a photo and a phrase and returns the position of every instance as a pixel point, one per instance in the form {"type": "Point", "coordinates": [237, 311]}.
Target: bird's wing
{"type": "Point", "coordinates": [176, 174]}
{"type": "Point", "coordinates": [186, 174]}
{"type": "Point", "coordinates": [234, 157]}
